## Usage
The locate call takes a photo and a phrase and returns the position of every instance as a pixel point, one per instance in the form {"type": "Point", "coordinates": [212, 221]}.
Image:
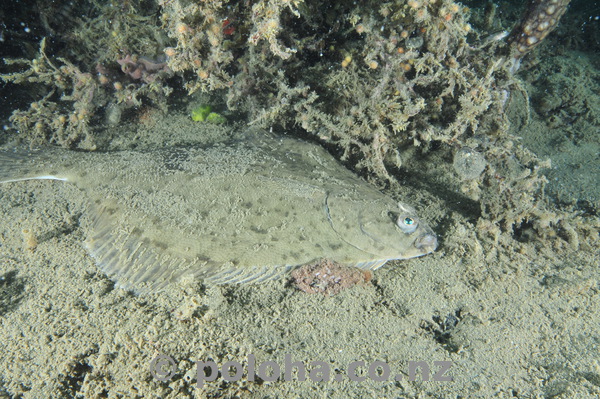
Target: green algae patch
{"type": "Point", "coordinates": [203, 114]}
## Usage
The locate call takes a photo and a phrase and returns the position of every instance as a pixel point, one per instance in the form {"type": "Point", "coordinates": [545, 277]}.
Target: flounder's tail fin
{"type": "Point", "coordinates": [18, 165]}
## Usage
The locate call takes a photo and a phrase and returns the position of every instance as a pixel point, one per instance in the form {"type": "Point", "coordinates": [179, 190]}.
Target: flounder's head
{"type": "Point", "coordinates": [423, 239]}
{"type": "Point", "coordinates": [380, 228]}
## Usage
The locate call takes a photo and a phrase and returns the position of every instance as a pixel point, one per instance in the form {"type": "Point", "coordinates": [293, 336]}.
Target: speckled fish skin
{"type": "Point", "coordinates": [247, 211]}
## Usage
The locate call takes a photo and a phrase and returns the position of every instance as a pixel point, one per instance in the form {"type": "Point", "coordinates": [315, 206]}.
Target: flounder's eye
{"type": "Point", "coordinates": [407, 224]}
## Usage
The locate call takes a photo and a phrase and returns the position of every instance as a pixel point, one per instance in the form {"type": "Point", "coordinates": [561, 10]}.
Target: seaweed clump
{"type": "Point", "coordinates": [88, 71]}
{"type": "Point", "coordinates": [369, 77]}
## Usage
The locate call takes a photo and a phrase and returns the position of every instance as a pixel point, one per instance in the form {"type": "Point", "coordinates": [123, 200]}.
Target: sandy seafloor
{"type": "Point", "coordinates": [519, 320]}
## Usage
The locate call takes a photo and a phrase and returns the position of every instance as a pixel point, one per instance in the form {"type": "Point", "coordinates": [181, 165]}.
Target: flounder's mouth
{"type": "Point", "coordinates": [426, 242]}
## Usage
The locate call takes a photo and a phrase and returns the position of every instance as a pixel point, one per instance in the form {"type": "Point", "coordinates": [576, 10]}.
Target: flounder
{"type": "Point", "coordinates": [248, 210]}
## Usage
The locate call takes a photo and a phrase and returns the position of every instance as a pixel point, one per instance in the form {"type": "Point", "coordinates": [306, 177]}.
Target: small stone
{"type": "Point", "coordinates": [328, 278]}
{"type": "Point", "coordinates": [468, 163]}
